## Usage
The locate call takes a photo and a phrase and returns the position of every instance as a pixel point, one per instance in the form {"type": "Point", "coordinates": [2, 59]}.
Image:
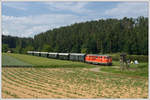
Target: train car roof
{"type": "Point", "coordinates": [63, 53]}
{"type": "Point", "coordinates": [77, 54]}
{"type": "Point", "coordinates": [36, 52]}
{"type": "Point", "coordinates": [97, 55]}
{"type": "Point", "coordinates": [44, 52]}
{"type": "Point", "coordinates": [52, 53]}
{"type": "Point", "coordinates": [29, 51]}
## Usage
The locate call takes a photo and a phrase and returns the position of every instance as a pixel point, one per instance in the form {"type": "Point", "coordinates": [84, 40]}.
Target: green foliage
{"type": "Point", "coordinates": [29, 48]}
{"type": "Point", "coordinates": [17, 44]}
{"type": "Point", "coordinates": [140, 58]}
{"type": "Point", "coordinates": [75, 49]}
{"type": "Point", "coordinates": [47, 48]}
{"type": "Point", "coordinates": [18, 49]}
{"type": "Point", "coordinates": [5, 48]}
{"type": "Point", "coordinates": [84, 50]}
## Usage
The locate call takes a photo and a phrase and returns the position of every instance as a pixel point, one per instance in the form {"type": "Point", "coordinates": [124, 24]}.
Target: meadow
{"type": "Point", "coordinates": [51, 78]}
{"type": "Point", "coordinates": [11, 61]}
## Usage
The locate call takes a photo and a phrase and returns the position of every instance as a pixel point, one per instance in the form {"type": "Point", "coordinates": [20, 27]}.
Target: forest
{"type": "Point", "coordinates": [129, 35]}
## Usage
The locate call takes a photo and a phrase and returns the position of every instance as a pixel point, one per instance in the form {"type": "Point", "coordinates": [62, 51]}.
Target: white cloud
{"type": "Point", "coordinates": [130, 9]}
{"type": "Point", "coordinates": [76, 7]}
{"type": "Point", "coordinates": [31, 25]}
{"type": "Point", "coordinates": [16, 5]}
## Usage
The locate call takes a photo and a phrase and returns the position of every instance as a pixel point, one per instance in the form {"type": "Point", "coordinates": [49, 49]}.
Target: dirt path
{"type": "Point", "coordinates": [95, 69]}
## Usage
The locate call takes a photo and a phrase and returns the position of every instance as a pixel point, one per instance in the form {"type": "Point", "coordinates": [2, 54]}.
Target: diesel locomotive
{"type": "Point", "coordinates": [88, 58]}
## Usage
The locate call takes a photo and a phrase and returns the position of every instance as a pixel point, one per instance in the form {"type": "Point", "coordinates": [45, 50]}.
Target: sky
{"type": "Point", "coordinates": [26, 19]}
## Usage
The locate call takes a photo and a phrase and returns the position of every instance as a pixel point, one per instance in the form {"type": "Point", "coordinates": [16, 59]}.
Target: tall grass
{"type": "Point", "coordinates": [11, 61]}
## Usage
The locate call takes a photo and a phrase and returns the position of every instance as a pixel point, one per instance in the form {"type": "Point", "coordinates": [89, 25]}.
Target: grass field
{"type": "Point", "coordinates": [11, 61]}
{"type": "Point", "coordinates": [51, 78]}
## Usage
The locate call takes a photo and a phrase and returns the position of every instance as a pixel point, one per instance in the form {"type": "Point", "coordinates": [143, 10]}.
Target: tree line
{"type": "Point", "coordinates": [129, 35]}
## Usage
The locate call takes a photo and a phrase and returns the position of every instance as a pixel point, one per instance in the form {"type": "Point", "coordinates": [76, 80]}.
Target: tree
{"type": "Point", "coordinates": [47, 48]}
{"type": "Point", "coordinates": [76, 49]}
{"type": "Point", "coordinates": [5, 48]}
{"type": "Point", "coordinates": [28, 48]}
{"type": "Point", "coordinates": [84, 50]}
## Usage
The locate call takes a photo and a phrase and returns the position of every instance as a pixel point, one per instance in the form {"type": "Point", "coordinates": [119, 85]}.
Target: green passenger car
{"type": "Point", "coordinates": [53, 55]}
{"type": "Point", "coordinates": [77, 57]}
{"type": "Point", "coordinates": [30, 52]}
{"type": "Point", "coordinates": [44, 54]}
{"type": "Point", "coordinates": [63, 56]}
{"type": "Point", "coordinates": [37, 53]}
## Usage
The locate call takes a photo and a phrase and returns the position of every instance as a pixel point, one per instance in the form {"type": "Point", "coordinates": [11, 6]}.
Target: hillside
{"type": "Point", "coordinates": [101, 36]}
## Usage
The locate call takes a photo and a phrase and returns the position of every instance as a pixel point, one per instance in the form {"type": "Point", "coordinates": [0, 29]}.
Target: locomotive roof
{"type": "Point", "coordinates": [97, 55]}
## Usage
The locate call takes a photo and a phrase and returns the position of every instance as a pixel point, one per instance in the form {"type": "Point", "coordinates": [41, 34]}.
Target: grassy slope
{"type": "Point", "coordinates": [10, 61]}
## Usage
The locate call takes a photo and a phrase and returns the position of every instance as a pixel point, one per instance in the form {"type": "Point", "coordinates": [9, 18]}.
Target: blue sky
{"type": "Point", "coordinates": [26, 19]}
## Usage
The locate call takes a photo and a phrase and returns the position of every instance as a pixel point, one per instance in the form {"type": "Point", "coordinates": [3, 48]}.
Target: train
{"type": "Point", "coordinates": [87, 58]}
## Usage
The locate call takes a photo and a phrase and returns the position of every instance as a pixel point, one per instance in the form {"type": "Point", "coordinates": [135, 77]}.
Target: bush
{"type": "Point", "coordinates": [140, 58]}
{"type": "Point", "coordinates": [115, 57]}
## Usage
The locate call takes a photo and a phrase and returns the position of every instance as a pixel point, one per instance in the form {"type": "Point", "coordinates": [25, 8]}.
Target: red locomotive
{"type": "Point", "coordinates": [98, 59]}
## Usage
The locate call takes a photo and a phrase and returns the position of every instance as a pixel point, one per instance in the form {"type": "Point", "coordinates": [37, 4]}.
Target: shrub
{"type": "Point", "coordinates": [140, 58]}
